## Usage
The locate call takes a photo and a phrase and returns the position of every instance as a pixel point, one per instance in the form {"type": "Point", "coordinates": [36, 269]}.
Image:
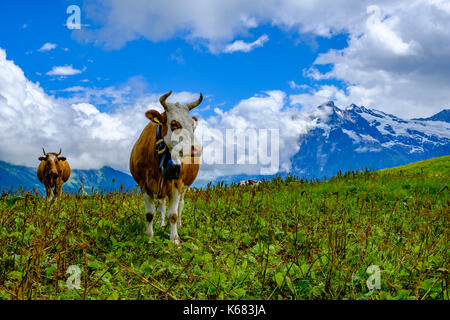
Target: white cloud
{"type": "Point", "coordinates": [66, 70]}
{"type": "Point", "coordinates": [318, 96]}
{"type": "Point", "coordinates": [397, 58]}
{"type": "Point", "coordinates": [31, 119]}
{"type": "Point", "coordinates": [177, 56]}
{"type": "Point", "coordinates": [90, 138]}
{"type": "Point", "coordinates": [47, 47]}
{"type": "Point", "coordinates": [215, 23]}
{"type": "Point", "coordinates": [243, 46]}
{"type": "Point", "coordinates": [396, 61]}
{"type": "Point", "coordinates": [263, 111]}
{"type": "Point", "coordinates": [294, 85]}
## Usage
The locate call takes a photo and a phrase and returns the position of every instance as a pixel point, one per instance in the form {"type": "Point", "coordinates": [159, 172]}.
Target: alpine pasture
{"type": "Point", "coordinates": [283, 239]}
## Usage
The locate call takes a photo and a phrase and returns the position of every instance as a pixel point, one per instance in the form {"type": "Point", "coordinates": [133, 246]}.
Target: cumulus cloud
{"type": "Point", "coordinates": [91, 138]}
{"type": "Point", "coordinates": [396, 62]}
{"type": "Point", "coordinates": [396, 59]}
{"type": "Point", "coordinates": [31, 119]}
{"type": "Point", "coordinates": [243, 46]}
{"type": "Point", "coordinates": [246, 123]}
{"type": "Point", "coordinates": [66, 70]}
{"type": "Point", "coordinates": [215, 22]}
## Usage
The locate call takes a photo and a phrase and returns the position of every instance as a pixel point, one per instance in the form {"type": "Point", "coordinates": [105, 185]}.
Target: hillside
{"type": "Point", "coordinates": [438, 166]}
{"type": "Point", "coordinates": [285, 239]}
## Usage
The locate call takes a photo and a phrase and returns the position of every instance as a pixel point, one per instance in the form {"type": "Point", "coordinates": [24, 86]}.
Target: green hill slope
{"type": "Point", "coordinates": [439, 166]}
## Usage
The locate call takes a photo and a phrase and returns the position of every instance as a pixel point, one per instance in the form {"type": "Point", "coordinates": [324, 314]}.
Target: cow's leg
{"type": "Point", "coordinates": [50, 194]}
{"type": "Point", "coordinates": [150, 211]}
{"type": "Point", "coordinates": [180, 206]}
{"type": "Point", "coordinates": [58, 191]}
{"type": "Point", "coordinates": [172, 213]}
{"type": "Point", "coordinates": [162, 212]}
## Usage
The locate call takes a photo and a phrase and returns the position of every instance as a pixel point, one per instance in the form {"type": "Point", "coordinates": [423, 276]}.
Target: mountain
{"type": "Point", "coordinates": [342, 139]}
{"type": "Point", "coordinates": [358, 138]}
{"type": "Point", "coordinates": [444, 115]}
{"type": "Point", "coordinates": [13, 177]}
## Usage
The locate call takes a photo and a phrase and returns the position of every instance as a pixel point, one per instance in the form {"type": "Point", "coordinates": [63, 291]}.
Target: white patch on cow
{"type": "Point", "coordinates": [162, 212]}
{"type": "Point", "coordinates": [149, 208]}
{"type": "Point", "coordinates": [181, 140]}
{"type": "Point", "coordinates": [51, 195]}
{"type": "Point", "coordinates": [181, 205]}
{"type": "Point", "coordinates": [174, 200]}
{"type": "Point", "coordinates": [249, 183]}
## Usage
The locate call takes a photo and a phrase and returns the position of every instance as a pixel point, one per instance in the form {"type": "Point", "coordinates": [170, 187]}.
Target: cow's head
{"type": "Point", "coordinates": [178, 128]}
{"type": "Point", "coordinates": [52, 163]}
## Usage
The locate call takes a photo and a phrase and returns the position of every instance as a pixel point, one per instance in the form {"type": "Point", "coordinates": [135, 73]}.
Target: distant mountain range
{"type": "Point", "coordinates": [13, 177]}
{"type": "Point", "coordinates": [359, 138]}
{"type": "Point", "coordinates": [345, 139]}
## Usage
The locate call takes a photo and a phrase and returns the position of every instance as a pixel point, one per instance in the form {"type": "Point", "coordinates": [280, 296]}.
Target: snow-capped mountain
{"type": "Point", "coordinates": [358, 138]}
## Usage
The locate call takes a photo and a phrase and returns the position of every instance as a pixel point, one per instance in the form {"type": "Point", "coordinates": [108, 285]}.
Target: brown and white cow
{"type": "Point", "coordinates": [177, 135]}
{"type": "Point", "coordinates": [249, 183]}
{"type": "Point", "coordinates": [53, 172]}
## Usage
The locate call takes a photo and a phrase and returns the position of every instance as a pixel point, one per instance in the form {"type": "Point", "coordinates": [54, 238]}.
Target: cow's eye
{"type": "Point", "coordinates": [174, 125]}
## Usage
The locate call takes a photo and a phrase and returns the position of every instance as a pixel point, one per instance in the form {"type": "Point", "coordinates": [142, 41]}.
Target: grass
{"type": "Point", "coordinates": [285, 239]}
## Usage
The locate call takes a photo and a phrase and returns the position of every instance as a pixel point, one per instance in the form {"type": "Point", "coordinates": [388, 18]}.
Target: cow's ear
{"type": "Point", "coordinates": [195, 122]}
{"type": "Point", "coordinates": [62, 158]}
{"type": "Point", "coordinates": [41, 158]}
{"type": "Point", "coordinates": [155, 117]}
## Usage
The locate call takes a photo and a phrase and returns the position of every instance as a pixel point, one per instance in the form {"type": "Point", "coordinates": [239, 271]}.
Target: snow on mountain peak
{"type": "Point", "coordinates": [356, 137]}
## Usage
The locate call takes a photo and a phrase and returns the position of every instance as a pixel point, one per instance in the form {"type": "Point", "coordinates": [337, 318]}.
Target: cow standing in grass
{"type": "Point", "coordinates": [253, 183]}
{"type": "Point", "coordinates": [53, 172]}
{"type": "Point", "coordinates": [164, 162]}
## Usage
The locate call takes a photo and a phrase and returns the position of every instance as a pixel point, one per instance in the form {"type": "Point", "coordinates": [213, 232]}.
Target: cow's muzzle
{"type": "Point", "coordinates": [52, 174]}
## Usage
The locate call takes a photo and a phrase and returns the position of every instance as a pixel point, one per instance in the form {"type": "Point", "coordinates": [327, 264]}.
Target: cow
{"type": "Point", "coordinates": [164, 162]}
{"type": "Point", "coordinates": [249, 183]}
{"type": "Point", "coordinates": [53, 172]}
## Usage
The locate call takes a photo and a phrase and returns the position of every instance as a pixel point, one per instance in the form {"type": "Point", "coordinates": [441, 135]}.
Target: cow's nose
{"type": "Point", "coordinates": [53, 173]}
{"type": "Point", "coordinates": [196, 150]}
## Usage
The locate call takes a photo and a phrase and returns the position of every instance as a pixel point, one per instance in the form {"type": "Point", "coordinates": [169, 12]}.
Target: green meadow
{"type": "Point", "coordinates": [359, 235]}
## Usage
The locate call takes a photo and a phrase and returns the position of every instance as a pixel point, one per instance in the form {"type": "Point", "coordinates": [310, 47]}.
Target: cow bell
{"type": "Point", "coordinates": [170, 170]}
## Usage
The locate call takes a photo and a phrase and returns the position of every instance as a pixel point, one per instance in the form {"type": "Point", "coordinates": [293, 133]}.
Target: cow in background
{"type": "Point", "coordinates": [53, 172]}
{"type": "Point", "coordinates": [249, 183]}
{"type": "Point", "coordinates": [164, 162]}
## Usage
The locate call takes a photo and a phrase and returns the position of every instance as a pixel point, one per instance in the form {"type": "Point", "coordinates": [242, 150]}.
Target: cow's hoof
{"type": "Point", "coordinates": [176, 242]}
{"type": "Point", "coordinates": [149, 233]}
{"type": "Point", "coordinates": [162, 224]}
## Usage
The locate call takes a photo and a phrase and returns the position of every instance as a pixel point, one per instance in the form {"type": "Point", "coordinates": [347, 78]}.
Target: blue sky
{"type": "Point", "coordinates": [259, 64]}
{"type": "Point", "coordinates": [173, 64]}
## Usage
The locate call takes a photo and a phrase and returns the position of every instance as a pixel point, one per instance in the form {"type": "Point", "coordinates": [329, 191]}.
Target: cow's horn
{"type": "Point", "coordinates": [163, 99]}
{"type": "Point", "coordinates": [192, 105]}
{"type": "Point", "coordinates": [59, 151]}
{"type": "Point", "coordinates": [43, 150]}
